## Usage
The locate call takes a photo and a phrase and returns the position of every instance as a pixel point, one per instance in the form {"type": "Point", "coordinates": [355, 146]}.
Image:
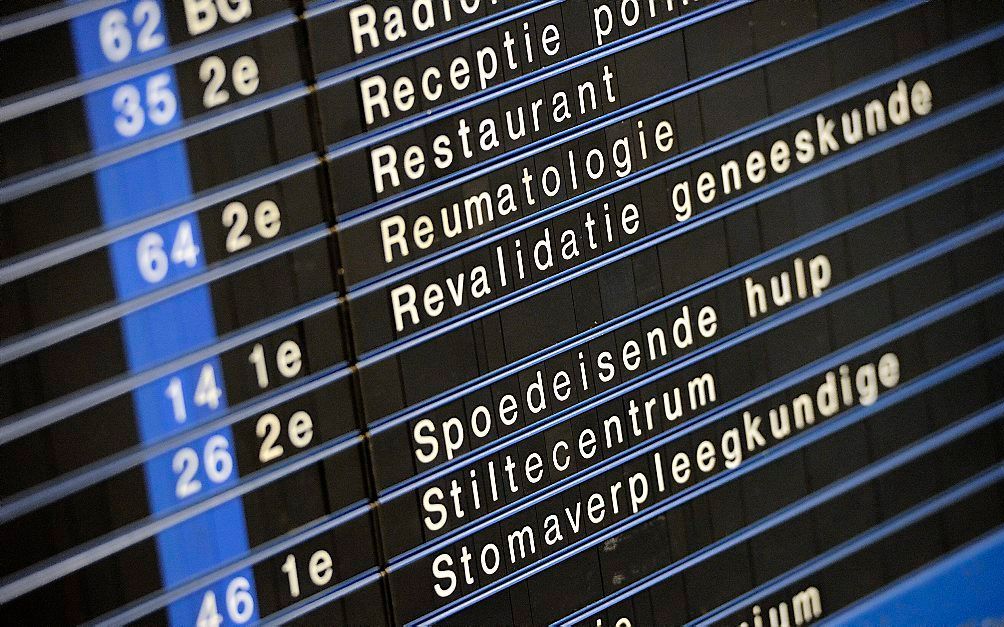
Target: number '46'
{"type": "Point", "coordinates": [240, 605]}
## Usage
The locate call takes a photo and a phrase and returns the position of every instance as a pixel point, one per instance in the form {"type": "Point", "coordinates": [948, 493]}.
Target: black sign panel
{"type": "Point", "coordinates": [605, 312]}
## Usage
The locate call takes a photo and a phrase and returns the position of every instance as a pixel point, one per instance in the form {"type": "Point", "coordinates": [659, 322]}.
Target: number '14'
{"type": "Point", "coordinates": [207, 393]}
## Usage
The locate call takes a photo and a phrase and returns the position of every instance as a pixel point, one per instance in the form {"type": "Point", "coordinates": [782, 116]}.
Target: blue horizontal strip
{"type": "Point", "coordinates": [911, 453]}
{"type": "Point", "coordinates": [876, 145]}
{"type": "Point", "coordinates": [860, 542]}
{"type": "Point", "coordinates": [878, 339]}
{"type": "Point", "coordinates": [794, 443]}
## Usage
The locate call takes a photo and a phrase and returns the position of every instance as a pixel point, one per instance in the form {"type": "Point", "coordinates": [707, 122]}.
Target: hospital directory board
{"type": "Point", "coordinates": [482, 312]}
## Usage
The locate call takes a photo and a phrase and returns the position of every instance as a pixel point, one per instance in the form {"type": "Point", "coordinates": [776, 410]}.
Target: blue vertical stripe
{"type": "Point", "coordinates": [127, 112]}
